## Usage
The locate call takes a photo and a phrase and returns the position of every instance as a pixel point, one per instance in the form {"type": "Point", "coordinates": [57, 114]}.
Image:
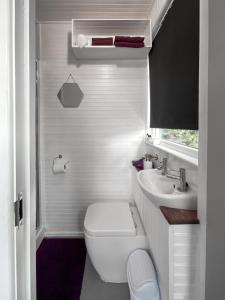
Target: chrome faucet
{"type": "Point", "coordinates": [163, 166]}
{"type": "Point", "coordinates": [182, 178]}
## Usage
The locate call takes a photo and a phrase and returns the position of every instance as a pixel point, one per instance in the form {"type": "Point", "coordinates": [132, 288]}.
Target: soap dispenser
{"type": "Point", "coordinates": [147, 162]}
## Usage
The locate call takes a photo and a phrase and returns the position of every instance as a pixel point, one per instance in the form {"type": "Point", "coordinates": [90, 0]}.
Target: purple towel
{"type": "Point", "coordinates": [129, 45]}
{"type": "Point", "coordinates": [138, 164]}
{"type": "Point", "coordinates": [102, 41]}
{"type": "Point", "coordinates": [129, 39]}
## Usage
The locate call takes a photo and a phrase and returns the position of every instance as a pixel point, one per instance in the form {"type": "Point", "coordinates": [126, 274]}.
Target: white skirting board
{"type": "Point", "coordinates": [64, 234]}
{"type": "Point", "coordinates": [42, 233]}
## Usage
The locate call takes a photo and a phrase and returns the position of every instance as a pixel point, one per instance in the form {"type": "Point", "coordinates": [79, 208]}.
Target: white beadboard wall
{"type": "Point", "coordinates": [63, 10]}
{"type": "Point", "coordinates": [100, 138]}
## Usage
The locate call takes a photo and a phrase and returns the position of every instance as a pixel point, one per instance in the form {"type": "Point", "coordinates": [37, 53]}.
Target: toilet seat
{"type": "Point", "coordinates": [109, 219]}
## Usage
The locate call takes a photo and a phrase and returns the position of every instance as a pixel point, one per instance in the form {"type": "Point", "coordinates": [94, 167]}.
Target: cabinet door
{"type": "Point", "coordinates": [157, 230]}
{"type": "Point", "coordinates": [184, 261]}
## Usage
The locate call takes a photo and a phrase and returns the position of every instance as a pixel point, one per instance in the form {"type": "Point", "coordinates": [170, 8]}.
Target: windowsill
{"type": "Point", "coordinates": [185, 153]}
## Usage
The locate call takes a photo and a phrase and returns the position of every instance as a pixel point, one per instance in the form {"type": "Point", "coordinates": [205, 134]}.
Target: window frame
{"type": "Point", "coordinates": [173, 147]}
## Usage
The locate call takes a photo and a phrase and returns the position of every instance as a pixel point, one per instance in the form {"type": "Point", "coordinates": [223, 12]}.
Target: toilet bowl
{"type": "Point", "coordinates": [112, 231]}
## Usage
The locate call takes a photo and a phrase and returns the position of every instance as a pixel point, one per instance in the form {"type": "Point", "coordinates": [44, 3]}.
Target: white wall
{"type": "Point", "coordinates": [66, 10]}
{"type": "Point", "coordinates": [212, 93]}
{"type": "Point", "coordinates": [203, 136]}
{"type": "Point", "coordinates": [100, 138]}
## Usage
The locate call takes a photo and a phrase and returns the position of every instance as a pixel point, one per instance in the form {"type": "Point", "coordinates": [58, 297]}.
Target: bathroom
{"type": "Point", "coordinates": [99, 138]}
{"type": "Point", "coordinates": [113, 143]}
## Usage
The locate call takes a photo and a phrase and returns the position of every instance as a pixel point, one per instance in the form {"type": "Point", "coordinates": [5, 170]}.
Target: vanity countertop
{"type": "Point", "coordinates": [176, 216]}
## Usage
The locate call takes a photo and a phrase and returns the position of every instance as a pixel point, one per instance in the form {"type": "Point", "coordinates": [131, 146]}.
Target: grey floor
{"type": "Point", "coordinates": [93, 288]}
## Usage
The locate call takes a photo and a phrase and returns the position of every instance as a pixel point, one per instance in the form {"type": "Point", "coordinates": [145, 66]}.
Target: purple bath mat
{"type": "Point", "coordinates": [60, 268]}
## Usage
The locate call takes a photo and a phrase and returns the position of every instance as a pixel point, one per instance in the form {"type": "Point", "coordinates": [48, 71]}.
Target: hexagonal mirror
{"type": "Point", "coordinates": [70, 94]}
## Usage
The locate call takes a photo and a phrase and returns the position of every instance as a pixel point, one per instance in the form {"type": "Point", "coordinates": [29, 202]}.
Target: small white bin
{"type": "Point", "coordinates": [141, 277]}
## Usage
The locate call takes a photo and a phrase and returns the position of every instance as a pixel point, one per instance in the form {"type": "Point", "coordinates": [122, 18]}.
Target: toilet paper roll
{"type": "Point", "coordinates": [60, 165]}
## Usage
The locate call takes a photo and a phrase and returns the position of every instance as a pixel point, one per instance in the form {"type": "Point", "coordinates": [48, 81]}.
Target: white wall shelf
{"type": "Point", "coordinates": [110, 28]}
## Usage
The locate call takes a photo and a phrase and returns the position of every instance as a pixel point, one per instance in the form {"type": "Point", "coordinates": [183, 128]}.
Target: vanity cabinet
{"type": "Point", "coordinates": [175, 250]}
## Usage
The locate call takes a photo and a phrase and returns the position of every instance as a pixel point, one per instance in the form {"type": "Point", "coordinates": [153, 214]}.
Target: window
{"type": "Point", "coordinates": [177, 141]}
{"type": "Point", "coordinates": [180, 136]}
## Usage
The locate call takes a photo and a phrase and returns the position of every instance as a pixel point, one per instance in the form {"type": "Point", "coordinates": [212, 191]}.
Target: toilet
{"type": "Point", "coordinates": [112, 232]}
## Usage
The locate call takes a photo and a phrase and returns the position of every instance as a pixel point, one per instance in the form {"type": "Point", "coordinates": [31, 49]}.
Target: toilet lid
{"type": "Point", "coordinates": [109, 219]}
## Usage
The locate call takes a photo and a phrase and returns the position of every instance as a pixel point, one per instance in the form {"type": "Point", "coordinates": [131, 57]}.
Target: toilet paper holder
{"type": "Point", "coordinates": [59, 157]}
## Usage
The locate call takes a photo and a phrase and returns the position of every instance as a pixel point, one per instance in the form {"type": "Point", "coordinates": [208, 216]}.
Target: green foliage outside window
{"type": "Point", "coordinates": [184, 137]}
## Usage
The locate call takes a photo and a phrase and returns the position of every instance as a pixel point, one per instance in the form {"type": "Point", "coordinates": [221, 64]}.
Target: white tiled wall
{"type": "Point", "coordinates": [100, 138]}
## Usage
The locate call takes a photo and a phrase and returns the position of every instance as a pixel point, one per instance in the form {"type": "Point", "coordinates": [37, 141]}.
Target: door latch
{"type": "Point", "coordinates": [18, 208]}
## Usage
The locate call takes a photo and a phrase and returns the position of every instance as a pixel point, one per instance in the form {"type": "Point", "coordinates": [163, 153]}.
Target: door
{"type": "Point", "coordinates": [17, 149]}
{"type": "Point", "coordinates": [7, 261]}
{"type": "Point", "coordinates": [24, 153]}
{"type": "Point", "coordinates": [20, 147]}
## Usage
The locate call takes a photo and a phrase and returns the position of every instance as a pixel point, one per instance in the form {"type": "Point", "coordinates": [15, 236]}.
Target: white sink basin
{"type": "Point", "coordinates": [162, 191]}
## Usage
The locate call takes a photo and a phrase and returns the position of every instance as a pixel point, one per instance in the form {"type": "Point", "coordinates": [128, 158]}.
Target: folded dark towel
{"type": "Point", "coordinates": [129, 45]}
{"type": "Point", "coordinates": [138, 164]}
{"type": "Point", "coordinates": [102, 41]}
{"type": "Point", "coordinates": [129, 39]}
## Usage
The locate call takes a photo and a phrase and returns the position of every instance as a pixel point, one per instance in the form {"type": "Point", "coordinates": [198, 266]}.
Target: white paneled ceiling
{"type": "Point", "coordinates": [64, 10]}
